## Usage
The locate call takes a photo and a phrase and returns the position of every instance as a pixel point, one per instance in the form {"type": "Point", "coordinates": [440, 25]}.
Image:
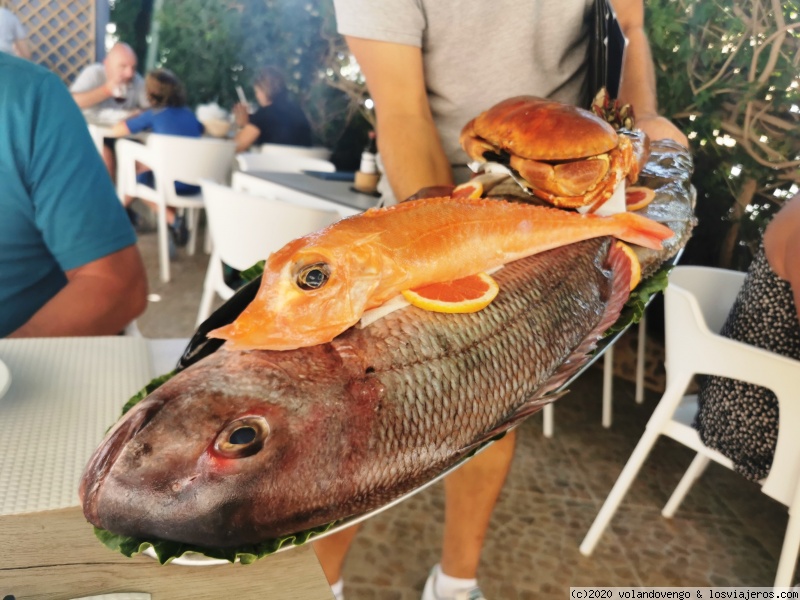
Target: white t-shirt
{"type": "Point", "coordinates": [94, 76]}
{"type": "Point", "coordinates": [11, 30]}
{"type": "Point", "coordinates": [477, 53]}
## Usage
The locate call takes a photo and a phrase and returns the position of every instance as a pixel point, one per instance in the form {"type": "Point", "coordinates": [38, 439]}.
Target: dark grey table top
{"type": "Point", "coordinates": [341, 192]}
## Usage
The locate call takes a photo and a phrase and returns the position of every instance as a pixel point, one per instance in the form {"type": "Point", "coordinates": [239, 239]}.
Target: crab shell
{"type": "Point", "coordinates": [566, 155]}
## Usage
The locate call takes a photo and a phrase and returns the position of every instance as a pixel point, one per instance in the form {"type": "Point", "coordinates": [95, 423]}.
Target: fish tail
{"type": "Point", "coordinates": [640, 230]}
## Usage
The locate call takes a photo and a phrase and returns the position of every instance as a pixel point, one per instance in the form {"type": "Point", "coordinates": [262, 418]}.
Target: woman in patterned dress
{"type": "Point", "coordinates": [741, 419]}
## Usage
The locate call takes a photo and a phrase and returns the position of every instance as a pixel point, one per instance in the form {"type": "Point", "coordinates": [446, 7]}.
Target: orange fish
{"type": "Point", "coordinates": [317, 286]}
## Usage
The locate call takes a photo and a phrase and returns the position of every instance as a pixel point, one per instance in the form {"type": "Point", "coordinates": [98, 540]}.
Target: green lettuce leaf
{"type": "Point", "coordinates": [255, 271]}
{"type": "Point", "coordinates": [637, 302]}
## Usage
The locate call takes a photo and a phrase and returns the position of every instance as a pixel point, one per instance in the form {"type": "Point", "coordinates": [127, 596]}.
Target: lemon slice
{"type": "Point", "coordinates": [465, 295]}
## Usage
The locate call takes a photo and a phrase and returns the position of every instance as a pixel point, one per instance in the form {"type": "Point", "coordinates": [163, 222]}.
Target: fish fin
{"type": "Point", "coordinates": [618, 262]}
{"type": "Point", "coordinates": [642, 231]}
{"type": "Point", "coordinates": [522, 412]}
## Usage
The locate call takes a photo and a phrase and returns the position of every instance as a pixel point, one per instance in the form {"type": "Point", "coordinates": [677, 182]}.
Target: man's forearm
{"type": "Point", "coordinates": [638, 79]}
{"type": "Point", "coordinates": [23, 48]}
{"type": "Point", "coordinates": [412, 155]}
{"type": "Point", "coordinates": [89, 98]}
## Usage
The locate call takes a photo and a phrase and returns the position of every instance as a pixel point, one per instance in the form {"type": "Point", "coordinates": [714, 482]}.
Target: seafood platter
{"type": "Point", "coordinates": [337, 383]}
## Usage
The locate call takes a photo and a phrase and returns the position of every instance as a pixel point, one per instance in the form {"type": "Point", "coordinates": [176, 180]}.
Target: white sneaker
{"type": "Point", "coordinates": [429, 593]}
{"type": "Point", "coordinates": [338, 590]}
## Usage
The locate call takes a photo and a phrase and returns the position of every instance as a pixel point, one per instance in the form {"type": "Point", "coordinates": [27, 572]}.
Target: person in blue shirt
{"type": "Point", "coordinates": [68, 258]}
{"type": "Point", "coordinates": [169, 115]}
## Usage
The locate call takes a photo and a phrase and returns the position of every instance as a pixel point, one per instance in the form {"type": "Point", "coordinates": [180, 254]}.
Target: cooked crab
{"type": "Point", "coordinates": [563, 154]}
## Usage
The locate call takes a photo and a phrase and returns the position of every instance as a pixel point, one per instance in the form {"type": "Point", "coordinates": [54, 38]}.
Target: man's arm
{"type": "Point", "coordinates": [22, 48]}
{"type": "Point", "coordinates": [119, 130]}
{"type": "Point", "coordinates": [638, 75]}
{"type": "Point", "coordinates": [94, 96]}
{"type": "Point", "coordinates": [100, 298]}
{"type": "Point", "coordinates": [408, 141]}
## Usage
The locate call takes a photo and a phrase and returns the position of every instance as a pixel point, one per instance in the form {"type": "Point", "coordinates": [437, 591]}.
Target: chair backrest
{"type": "Point", "coordinates": [715, 300]}
{"type": "Point", "coordinates": [310, 152]}
{"type": "Point", "coordinates": [189, 160]}
{"type": "Point", "coordinates": [247, 228]}
{"type": "Point", "coordinates": [289, 163]}
{"type": "Point", "coordinates": [696, 303]}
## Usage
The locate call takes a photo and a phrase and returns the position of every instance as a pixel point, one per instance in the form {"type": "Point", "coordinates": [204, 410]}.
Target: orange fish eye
{"type": "Point", "coordinates": [313, 276]}
{"type": "Point", "coordinates": [242, 437]}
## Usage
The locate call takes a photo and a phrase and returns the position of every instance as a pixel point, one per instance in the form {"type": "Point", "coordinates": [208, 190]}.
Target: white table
{"type": "Point", "coordinates": [64, 394]}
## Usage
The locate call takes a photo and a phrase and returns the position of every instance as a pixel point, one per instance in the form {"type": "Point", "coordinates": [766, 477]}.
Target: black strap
{"type": "Point", "coordinates": [606, 52]}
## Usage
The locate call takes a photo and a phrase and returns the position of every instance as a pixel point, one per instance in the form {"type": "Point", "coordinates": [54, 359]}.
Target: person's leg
{"type": "Point", "coordinates": [332, 550]}
{"type": "Point", "coordinates": [470, 495]}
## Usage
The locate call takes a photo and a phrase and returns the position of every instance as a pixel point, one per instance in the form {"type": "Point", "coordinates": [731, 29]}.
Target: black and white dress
{"type": "Point", "coordinates": [739, 419]}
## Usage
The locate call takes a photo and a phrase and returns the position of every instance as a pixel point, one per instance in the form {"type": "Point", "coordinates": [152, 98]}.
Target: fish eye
{"type": "Point", "coordinates": [242, 437]}
{"type": "Point", "coordinates": [313, 276]}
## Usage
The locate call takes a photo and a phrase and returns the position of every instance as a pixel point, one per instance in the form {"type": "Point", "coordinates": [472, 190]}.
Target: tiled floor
{"type": "Point", "coordinates": [726, 534]}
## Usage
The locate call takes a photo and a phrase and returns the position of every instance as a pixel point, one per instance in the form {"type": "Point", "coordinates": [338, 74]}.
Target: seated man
{"type": "Point", "coordinates": [68, 258]}
{"type": "Point", "coordinates": [114, 83]}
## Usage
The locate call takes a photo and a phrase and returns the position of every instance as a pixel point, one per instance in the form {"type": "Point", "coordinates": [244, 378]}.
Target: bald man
{"type": "Point", "coordinates": [115, 84]}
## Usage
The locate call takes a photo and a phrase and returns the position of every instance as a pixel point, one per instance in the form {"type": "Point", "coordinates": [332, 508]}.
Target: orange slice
{"type": "Point", "coordinates": [637, 197]}
{"type": "Point", "coordinates": [470, 189]}
{"type": "Point", "coordinates": [636, 267]}
{"type": "Point", "coordinates": [465, 295]}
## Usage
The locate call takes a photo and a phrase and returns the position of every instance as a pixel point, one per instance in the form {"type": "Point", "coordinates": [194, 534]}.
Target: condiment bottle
{"type": "Point", "coordinates": [367, 176]}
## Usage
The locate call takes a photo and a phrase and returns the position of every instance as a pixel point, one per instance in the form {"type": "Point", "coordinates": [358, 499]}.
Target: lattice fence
{"type": "Point", "coordinates": [62, 33]}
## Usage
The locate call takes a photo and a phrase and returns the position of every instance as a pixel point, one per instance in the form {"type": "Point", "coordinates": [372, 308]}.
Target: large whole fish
{"type": "Point", "coordinates": [319, 285]}
{"type": "Point", "coordinates": [244, 446]}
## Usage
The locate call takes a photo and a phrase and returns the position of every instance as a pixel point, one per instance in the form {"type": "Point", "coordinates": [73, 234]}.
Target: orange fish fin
{"type": "Point", "coordinates": [636, 229]}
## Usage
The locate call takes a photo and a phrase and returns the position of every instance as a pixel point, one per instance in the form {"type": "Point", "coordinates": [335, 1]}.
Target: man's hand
{"type": "Point", "coordinates": [658, 128]}
{"type": "Point", "coordinates": [241, 113]}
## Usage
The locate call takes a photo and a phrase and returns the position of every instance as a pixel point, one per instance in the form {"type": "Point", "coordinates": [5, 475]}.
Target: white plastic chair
{"type": "Point", "coordinates": [288, 163]}
{"type": "Point", "coordinates": [247, 228]}
{"type": "Point", "coordinates": [608, 374]}
{"type": "Point", "coordinates": [311, 152]}
{"type": "Point", "coordinates": [173, 158]}
{"type": "Point", "coordinates": [697, 303]}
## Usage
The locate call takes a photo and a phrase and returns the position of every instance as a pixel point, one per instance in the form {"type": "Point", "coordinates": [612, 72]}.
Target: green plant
{"type": "Point", "coordinates": [728, 75]}
{"type": "Point", "coordinates": [132, 20]}
{"type": "Point", "coordinates": [200, 40]}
